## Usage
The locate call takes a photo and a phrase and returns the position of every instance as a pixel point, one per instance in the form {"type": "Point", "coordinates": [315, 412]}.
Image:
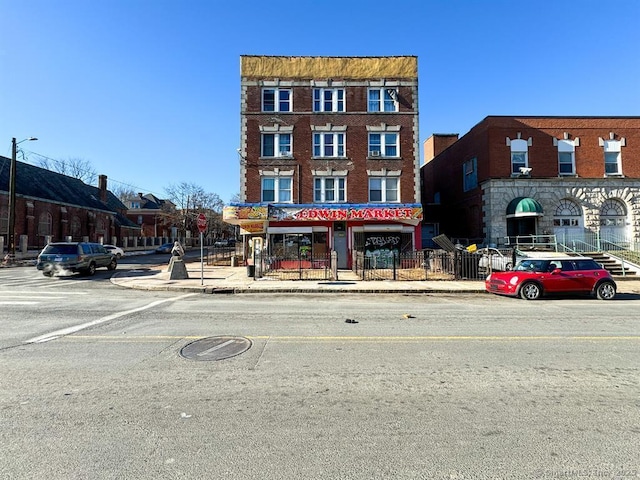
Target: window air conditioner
{"type": "Point", "coordinates": [374, 153]}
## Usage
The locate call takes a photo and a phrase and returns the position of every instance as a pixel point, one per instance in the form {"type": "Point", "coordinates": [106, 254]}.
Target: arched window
{"type": "Point", "coordinates": [613, 213]}
{"type": "Point", "coordinates": [567, 214]}
{"type": "Point", "coordinates": [45, 223]}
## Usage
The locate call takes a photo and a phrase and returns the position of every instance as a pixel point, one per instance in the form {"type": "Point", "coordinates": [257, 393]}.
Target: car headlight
{"type": "Point", "coordinates": [514, 280]}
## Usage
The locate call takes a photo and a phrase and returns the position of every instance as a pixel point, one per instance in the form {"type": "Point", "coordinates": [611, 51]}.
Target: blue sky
{"type": "Point", "coordinates": [148, 91]}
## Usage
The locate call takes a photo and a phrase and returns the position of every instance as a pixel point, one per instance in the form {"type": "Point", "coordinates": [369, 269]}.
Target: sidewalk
{"type": "Point", "coordinates": [223, 279]}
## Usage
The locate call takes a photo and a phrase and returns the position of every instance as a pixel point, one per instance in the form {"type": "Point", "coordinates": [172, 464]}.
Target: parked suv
{"type": "Point", "coordinates": [83, 257]}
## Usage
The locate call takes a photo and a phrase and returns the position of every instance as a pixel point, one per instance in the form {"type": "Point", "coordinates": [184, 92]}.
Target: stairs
{"type": "Point", "coordinates": [612, 265]}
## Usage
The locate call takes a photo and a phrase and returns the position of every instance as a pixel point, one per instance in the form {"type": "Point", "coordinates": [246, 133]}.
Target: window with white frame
{"type": "Point", "coordinates": [384, 189]}
{"type": "Point", "coordinates": [329, 189]}
{"type": "Point", "coordinates": [277, 100]}
{"type": "Point", "coordinates": [277, 189]}
{"type": "Point", "coordinates": [384, 144]}
{"type": "Point", "coordinates": [612, 157]}
{"type": "Point", "coordinates": [276, 145]}
{"type": "Point", "coordinates": [567, 214]}
{"type": "Point", "coordinates": [566, 157]}
{"type": "Point", "coordinates": [519, 155]}
{"type": "Point", "coordinates": [383, 100]}
{"type": "Point", "coordinates": [328, 144]}
{"type": "Point", "coordinates": [328, 100]}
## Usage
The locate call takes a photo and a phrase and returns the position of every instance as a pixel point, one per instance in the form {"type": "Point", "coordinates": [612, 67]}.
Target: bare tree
{"type": "Point", "coordinates": [124, 192]}
{"type": "Point", "coordinates": [190, 200]}
{"type": "Point", "coordinates": [73, 167]}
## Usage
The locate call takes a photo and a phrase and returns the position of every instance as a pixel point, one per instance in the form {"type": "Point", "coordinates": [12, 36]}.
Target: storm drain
{"type": "Point", "coordinates": [215, 348]}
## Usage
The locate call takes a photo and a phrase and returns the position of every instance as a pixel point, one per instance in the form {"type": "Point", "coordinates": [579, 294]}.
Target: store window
{"type": "Point", "coordinates": [298, 245]}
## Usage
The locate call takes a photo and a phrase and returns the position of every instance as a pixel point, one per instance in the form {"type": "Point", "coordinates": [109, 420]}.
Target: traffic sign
{"type": "Point", "coordinates": [202, 223]}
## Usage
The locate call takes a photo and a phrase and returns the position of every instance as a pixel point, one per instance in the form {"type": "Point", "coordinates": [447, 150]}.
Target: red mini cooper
{"type": "Point", "coordinates": [533, 277]}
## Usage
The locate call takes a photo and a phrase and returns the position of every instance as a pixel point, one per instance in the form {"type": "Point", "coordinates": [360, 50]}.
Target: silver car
{"type": "Point", "coordinates": [83, 257]}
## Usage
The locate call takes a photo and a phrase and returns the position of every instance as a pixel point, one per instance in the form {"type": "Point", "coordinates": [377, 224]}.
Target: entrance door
{"type": "Point", "coordinates": [340, 244]}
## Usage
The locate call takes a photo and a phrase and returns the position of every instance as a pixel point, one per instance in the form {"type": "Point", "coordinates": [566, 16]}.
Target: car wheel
{"type": "Point", "coordinates": [112, 265]}
{"type": "Point", "coordinates": [530, 291]}
{"type": "Point", "coordinates": [92, 269]}
{"type": "Point", "coordinates": [605, 291]}
{"type": "Point", "coordinates": [48, 273]}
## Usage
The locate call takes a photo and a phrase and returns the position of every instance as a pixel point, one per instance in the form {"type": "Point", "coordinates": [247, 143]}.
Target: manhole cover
{"type": "Point", "coordinates": [215, 348]}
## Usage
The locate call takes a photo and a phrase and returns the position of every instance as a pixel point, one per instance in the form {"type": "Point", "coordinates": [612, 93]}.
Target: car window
{"type": "Point", "coordinates": [587, 264]}
{"type": "Point", "coordinates": [531, 266]}
{"type": "Point", "coordinates": [61, 249]}
{"type": "Point", "coordinates": [86, 249]}
{"type": "Point", "coordinates": [567, 265]}
{"type": "Point", "coordinates": [553, 264]}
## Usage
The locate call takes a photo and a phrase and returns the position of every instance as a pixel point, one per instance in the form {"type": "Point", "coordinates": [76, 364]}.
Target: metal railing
{"type": "Point", "coordinates": [418, 265]}
{"type": "Point", "coordinates": [295, 267]}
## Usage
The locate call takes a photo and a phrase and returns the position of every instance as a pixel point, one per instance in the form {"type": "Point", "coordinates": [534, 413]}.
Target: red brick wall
{"type": "Point", "coordinates": [356, 163]}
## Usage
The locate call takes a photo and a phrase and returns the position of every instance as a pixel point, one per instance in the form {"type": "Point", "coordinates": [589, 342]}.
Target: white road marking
{"type": "Point", "coordinates": [76, 328]}
{"type": "Point", "coordinates": [217, 347]}
{"type": "Point", "coordinates": [18, 303]}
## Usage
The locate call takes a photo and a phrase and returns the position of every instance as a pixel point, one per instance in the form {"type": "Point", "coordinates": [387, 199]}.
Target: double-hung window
{"type": "Point", "coordinates": [277, 189]}
{"type": "Point", "coordinates": [384, 145]}
{"type": "Point", "coordinates": [276, 145]}
{"type": "Point", "coordinates": [328, 144]}
{"type": "Point", "coordinates": [384, 189]}
{"type": "Point", "coordinates": [566, 157]}
{"type": "Point", "coordinates": [329, 190]}
{"type": "Point", "coordinates": [328, 100]}
{"type": "Point", "coordinates": [276, 100]}
{"type": "Point", "coordinates": [612, 157]}
{"type": "Point", "coordinates": [519, 156]}
{"type": "Point", "coordinates": [383, 100]}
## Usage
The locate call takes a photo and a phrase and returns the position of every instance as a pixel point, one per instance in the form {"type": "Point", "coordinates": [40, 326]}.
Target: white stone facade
{"type": "Point", "coordinates": [590, 195]}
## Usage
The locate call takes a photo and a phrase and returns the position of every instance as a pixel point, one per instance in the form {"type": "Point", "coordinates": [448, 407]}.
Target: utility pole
{"type": "Point", "coordinates": [11, 237]}
{"type": "Point", "coordinates": [11, 243]}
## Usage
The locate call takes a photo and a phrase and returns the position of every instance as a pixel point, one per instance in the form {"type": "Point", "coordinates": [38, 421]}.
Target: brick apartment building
{"type": "Point", "coordinates": [329, 156]}
{"type": "Point", "coordinates": [520, 176]}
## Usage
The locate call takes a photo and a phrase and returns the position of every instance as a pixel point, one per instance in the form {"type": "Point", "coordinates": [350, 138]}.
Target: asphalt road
{"type": "Point", "coordinates": [92, 385]}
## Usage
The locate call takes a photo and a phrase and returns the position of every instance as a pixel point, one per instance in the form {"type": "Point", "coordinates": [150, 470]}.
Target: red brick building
{"type": "Point", "coordinates": [54, 207]}
{"type": "Point", "coordinates": [519, 176]}
{"type": "Point", "coordinates": [329, 155]}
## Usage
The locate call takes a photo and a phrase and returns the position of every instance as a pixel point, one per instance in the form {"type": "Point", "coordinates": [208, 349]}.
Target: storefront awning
{"type": "Point", "coordinates": [524, 207]}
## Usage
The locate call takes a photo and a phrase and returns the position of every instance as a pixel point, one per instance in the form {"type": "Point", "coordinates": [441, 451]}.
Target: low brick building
{"type": "Point", "coordinates": [519, 176]}
{"type": "Point", "coordinates": [55, 207]}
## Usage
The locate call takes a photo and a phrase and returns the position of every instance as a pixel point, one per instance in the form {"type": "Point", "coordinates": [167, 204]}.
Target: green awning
{"type": "Point", "coordinates": [524, 207]}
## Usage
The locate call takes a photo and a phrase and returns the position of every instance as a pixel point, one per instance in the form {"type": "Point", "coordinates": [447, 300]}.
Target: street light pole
{"type": "Point", "coordinates": [12, 198]}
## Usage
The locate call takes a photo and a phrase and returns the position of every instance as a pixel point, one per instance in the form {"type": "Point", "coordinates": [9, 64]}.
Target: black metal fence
{"type": "Point", "coordinates": [419, 265]}
{"type": "Point", "coordinates": [301, 267]}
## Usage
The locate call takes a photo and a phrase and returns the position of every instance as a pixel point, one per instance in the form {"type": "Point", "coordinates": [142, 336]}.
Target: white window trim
{"type": "Point", "coordinates": [276, 145]}
{"type": "Point", "coordinates": [276, 106]}
{"type": "Point", "coordinates": [383, 188]}
{"type": "Point", "coordinates": [334, 99]}
{"type": "Point", "coordinates": [519, 146]}
{"type": "Point", "coordinates": [383, 144]}
{"type": "Point", "coordinates": [613, 146]}
{"type": "Point", "coordinates": [335, 144]}
{"type": "Point", "coordinates": [276, 187]}
{"type": "Point", "coordinates": [336, 190]}
{"type": "Point", "coordinates": [567, 146]}
{"type": "Point", "coordinates": [383, 90]}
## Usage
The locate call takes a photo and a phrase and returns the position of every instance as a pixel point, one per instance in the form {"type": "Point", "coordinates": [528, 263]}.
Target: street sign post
{"type": "Point", "coordinates": [202, 227]}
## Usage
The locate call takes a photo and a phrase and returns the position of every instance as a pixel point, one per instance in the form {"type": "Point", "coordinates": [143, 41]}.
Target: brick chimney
{"type": "Point", "coordinates": [437, 143]}
{"type": "Point", "coordinates": [102, 186]}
